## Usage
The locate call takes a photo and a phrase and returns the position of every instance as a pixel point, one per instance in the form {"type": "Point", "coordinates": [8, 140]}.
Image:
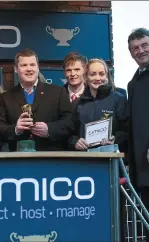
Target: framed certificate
{"type": "Point", "coordinates": [96, 131]}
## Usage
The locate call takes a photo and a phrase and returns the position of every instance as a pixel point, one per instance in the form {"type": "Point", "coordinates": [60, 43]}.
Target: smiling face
{"type": "Point", "coordinates": [139, 49]}
{"type": "Point", "coordinates": [74, 73]}
{"type": "Point", "coordinates": [27, 69]}
{"type": "Point", "coordinates": [96, 75]}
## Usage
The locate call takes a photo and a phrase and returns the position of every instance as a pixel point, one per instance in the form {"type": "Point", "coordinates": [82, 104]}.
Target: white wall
{"type": "Point", "coordinates": [126, 16]}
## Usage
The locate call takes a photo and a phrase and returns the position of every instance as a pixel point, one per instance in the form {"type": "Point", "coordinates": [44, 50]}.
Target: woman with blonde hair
{"type": "Point", "coordinates": [100, 99]}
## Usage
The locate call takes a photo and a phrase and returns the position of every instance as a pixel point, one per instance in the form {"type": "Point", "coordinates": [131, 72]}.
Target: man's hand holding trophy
{"type": "Point", "coordinates": [25, 121]}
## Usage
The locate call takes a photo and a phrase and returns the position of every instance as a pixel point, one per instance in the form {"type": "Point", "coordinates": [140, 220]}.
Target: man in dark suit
{"type": "Point", "coordinates": [74, 70]}
{"type": "Point", "coordinates": [138, 99]}
{"type": "Point", "coordinates": [52, 119]}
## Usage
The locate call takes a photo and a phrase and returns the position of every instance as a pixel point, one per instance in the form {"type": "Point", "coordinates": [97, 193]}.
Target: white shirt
{"type": "Point", "coordinates": [78, 94]}
{"type": "Point", "coordinates": [141, 70]}
{"type": "Point", "coordinates": [30, 89]}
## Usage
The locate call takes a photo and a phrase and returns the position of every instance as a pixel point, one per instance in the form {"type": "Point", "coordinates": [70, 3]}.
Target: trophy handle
{"type": "Point", "coordinates": [76, 31]}
{"type": "Point", "coordinates": [48, 81]}
{"type": "Point", "coordinates": [49, 30]}
{"type": "Point", "coordinates": [53, 236]}
{"type": "Point", "coordinates": [14, 237]}
{"type": "Point", "coordinates": [63, 80]}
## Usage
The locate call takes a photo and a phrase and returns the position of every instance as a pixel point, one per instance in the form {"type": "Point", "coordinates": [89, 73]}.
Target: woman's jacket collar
{"type": "Point", "coordinates": [102, 92]}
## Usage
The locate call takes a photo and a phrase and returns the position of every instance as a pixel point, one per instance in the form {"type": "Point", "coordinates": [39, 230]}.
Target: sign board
{"type": "Point", "coordinates": [61, 201]}
{"type": "Point", "coordinates": [54, 76]}
{"type": "Point", "coordinates": [51, 74]}
{"type": "Point", "coordinates": [53, 35]}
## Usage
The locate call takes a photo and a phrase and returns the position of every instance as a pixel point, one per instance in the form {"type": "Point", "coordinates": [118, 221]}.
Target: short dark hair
{"type": "Point", "coordinates": [74, 56]}
{"type": "Point", "coordinates": [25, 53]}
{"type": "Point", "coordinates": [138, 33]}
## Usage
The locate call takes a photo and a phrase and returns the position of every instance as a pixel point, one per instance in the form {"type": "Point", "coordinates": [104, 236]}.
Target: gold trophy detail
{"type": "Point", "coordinates": [27, 145]}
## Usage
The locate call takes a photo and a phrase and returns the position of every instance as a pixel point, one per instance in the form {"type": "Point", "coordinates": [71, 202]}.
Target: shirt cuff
{"type": "Point", "coordinates": [17, 132]}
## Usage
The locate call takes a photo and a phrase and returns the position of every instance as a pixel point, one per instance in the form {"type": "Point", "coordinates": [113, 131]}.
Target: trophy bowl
{"type": "Point", "coordinates": [63, 35]}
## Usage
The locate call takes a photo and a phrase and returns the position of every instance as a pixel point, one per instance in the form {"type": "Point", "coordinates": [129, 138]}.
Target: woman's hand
{"type": "Point", "coordinates": [108, 142]}
{"type": "Point", "coordinates": [81, 144]}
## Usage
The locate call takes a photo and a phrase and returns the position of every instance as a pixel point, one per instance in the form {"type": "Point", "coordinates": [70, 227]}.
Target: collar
{"type": "Point", "coordinates": [102, 92]}
{"type": "Point", "coordinates": [30, 89]}
{"type": "Point", "coordinates": [78, 94]}
{"type": "Point", "coordinates": [141, 70]}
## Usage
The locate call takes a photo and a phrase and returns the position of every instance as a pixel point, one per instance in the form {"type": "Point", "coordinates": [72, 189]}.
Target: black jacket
{"type": "Point", "coordinates": [91, 109]}
{"type": "Point", "coordinates": [51, 105]}
{"type": "Point", "coordinates": [74, 103]}
{"type": "Point", "coordinates": [138, 100]}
